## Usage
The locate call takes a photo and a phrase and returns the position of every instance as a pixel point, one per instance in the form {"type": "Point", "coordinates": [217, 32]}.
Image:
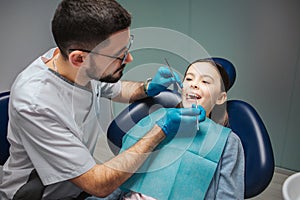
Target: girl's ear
{"type": "Point", "coordinates": [76, 58]}
{"type": "Point", "coordinates": [222, 98]}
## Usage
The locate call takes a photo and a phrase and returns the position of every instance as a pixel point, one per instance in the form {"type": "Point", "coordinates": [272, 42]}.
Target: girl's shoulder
{"type": "Point", "coordinates": [233, 143]}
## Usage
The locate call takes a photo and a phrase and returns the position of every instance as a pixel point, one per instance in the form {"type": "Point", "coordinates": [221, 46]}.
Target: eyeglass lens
{"type": "Point", "coordinates": [128, 47]}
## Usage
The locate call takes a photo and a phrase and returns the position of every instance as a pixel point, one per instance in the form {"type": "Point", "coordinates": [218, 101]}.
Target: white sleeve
{"type": "Point", "coordinates": [110, 90]}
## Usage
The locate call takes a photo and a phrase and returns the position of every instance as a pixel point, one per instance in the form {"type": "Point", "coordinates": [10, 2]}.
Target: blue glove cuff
{"type": "Point", "coordinates": [162, 126]}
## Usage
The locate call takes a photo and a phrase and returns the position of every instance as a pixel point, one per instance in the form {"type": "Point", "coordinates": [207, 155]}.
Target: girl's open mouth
{"type": "Point", "coordinates": [193, 96]}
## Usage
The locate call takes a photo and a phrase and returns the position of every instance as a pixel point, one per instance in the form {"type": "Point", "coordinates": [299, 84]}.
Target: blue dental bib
{"type": "Point", "coordinates": [179, 168]}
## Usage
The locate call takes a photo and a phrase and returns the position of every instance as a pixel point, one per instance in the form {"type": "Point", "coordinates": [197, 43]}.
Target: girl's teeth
{"type": "Point", "coordinates": [193, 96]}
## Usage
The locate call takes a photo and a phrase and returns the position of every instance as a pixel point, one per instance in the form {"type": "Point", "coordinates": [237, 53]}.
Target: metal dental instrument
{"type": "Point", "coordinates": [179, 87]}
{"type": "Point", "coordinates": [197, 118]}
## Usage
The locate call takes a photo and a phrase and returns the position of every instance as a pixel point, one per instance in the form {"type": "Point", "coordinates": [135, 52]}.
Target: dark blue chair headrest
{"type": "Point", "coordinates": [228, 67]}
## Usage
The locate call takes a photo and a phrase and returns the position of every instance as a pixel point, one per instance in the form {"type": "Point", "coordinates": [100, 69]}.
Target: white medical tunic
{"type": "Point", "coordinates": [53, 128]}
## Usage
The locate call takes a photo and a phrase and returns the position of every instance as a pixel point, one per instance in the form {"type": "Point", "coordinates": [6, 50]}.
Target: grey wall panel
{"type": "Point", "coordinates": [260, 37]}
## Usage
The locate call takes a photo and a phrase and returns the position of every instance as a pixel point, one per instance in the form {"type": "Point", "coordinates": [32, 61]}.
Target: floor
{"type": "Point", "coordinates": [273, 191]}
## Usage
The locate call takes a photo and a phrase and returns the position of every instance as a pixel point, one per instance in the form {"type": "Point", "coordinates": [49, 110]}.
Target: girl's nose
{"type": "Point", "coordinates": [195, 85]}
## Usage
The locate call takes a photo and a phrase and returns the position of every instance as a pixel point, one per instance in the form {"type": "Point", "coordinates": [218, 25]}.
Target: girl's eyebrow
{"type": "Point", "coordinates": [192, 74]}
{"type": "Point", "coordinates": [207, 76]}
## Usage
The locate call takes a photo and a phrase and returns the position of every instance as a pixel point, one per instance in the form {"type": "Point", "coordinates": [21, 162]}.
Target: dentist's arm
{"type": "Point", "coordinates": [103, 179]}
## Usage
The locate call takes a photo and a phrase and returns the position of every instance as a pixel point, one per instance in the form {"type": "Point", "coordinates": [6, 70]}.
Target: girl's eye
{"type": "Point", "coordinates": [205, 82]}
{"type": "Point", "coordinates": [188, 79]}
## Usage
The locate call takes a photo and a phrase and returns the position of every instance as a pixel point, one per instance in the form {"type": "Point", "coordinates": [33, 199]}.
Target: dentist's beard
{"type": "Point", "coordinates": [112, 78]}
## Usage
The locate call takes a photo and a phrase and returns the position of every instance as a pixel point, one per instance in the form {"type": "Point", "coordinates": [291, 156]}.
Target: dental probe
{"type": "Point", "coordinates": [179, 87]}
{"type": "Point", "coordinates": [196, 117]}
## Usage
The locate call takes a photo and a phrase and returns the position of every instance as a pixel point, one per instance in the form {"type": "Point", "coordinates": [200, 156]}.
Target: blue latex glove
{"type": "Point", "coordinates": [177, 119]}
{"type": "Point", "coordinates": [161, 81]}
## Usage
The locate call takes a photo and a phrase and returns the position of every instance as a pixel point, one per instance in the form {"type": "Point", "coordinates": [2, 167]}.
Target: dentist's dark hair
{"type": "Point", "coordinates": [84, 24]}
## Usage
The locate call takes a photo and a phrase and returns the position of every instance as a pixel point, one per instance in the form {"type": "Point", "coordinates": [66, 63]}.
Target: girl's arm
{"type": "Point", "coordinates": [230, 183]}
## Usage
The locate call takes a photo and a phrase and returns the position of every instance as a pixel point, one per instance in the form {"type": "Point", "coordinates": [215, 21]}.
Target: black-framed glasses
{"type": "Point", "coordinates": [109, 56]}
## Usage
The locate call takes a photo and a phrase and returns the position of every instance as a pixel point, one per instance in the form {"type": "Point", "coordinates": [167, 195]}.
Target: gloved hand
{"type": "Point", "coordinates": [202, 115]}
{"type": "Point", "coordinates": [181, 118]}
{"type": "Point", "coordinates": [162, 79]}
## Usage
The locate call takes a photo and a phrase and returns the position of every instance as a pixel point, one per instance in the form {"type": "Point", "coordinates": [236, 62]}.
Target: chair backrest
{"type": "Point", "coordinates": [4, 145]}
{"type": "Point", "coordinates": [259, 158]}
{"type": "Point", "coordinates": [243, 120]}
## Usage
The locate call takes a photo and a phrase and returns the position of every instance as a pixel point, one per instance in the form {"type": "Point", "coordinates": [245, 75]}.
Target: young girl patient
{"type": "Point", "coordinates": [206, 165]}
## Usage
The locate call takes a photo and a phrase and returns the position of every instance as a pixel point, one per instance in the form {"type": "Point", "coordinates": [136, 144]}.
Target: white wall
{"type": "Point", "coordinates": [24, 34]}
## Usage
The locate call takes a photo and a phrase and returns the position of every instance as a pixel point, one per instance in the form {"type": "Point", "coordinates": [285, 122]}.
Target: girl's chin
{"type": "Point", "coordinates": [187, 104]}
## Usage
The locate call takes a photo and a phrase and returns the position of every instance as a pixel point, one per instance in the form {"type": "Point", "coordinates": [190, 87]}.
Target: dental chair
{"type": "Point", "coordinates": [4, 145]}
{"type": "Point", "coordinates": [243, 120]}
